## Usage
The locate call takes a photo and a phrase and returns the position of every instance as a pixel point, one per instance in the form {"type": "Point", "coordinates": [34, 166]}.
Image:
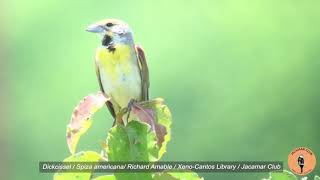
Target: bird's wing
{"type": "Point", "coordinates": [144, 72]}
{"type": "Point", "coordinates": [108, 103]}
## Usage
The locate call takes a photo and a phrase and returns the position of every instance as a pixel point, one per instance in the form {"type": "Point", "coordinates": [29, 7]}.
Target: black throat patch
{"type": "Point", "coordinates": [111, 48]}
{"type": "Point", "coordinates": [107, 41]}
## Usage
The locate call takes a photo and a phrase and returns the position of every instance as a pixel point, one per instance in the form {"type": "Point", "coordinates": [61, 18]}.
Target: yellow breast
{"type": "Point", "coordinates": [109, 60]}
{"type": "Point", "coordinates": [119, 73]}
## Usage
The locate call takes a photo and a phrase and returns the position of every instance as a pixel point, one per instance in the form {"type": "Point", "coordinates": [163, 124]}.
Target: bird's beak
{"type": "Point", "coordinates": [95, 28]}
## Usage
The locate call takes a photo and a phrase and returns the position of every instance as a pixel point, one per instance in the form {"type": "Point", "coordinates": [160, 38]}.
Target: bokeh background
{"type": "Point", "coordinates": [240, 77]}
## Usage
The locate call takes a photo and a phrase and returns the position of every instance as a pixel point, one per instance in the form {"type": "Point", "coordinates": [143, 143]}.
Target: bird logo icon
{"type": "Point", "coordinates": [301, 161]}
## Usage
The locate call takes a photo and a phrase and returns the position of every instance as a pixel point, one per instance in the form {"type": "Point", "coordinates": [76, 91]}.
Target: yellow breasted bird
{"type": "Point", "coordinates": [121, 65]}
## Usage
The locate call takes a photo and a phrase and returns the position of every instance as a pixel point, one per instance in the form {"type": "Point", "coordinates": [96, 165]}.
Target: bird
{"type": "Point", "coordinates": [121, 65]}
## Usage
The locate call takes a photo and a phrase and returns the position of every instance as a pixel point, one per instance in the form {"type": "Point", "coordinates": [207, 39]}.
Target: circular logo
{"type": "Point", "coordinates": [301, 161]}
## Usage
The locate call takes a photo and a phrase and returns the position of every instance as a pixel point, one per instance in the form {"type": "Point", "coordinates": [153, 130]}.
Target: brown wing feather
{"type": "Point", "coordinates": [108, 103]}
{"type": "Point", "coordinates": [144, 71]}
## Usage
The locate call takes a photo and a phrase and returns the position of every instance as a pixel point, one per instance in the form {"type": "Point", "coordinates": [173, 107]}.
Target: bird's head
{"type": "Point", "coordinates": [112, 31]}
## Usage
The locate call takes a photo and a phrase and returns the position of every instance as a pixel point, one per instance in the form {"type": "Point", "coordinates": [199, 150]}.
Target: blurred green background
{"type": "Point", "coordinates": [240, 77]}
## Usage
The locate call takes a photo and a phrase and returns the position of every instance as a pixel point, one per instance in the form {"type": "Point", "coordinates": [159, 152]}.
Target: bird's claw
{"type": "Point", "coordinates": [129, 108]}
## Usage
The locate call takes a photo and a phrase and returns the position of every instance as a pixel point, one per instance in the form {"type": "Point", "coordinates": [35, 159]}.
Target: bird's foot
{"type": "Point", "coordinates": [129, 108]}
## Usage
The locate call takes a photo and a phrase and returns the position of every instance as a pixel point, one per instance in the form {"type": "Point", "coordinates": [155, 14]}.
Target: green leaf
{"type": "Point", "coordinates": [133, 142]}
{"type": "Point", "coordinates": [285, 175]}
{"type": "Point", "coordinates": [177, 176]}
{"type": "Point", "coordinates": [81, 118]}
{"type": "Point", "coordinates": [87, 156]}
{"type": "Point", "coordinates": [106, 177]}
{"type": "Point", "coordinates": [158, 116]}
{"type": "Point", "coordinates": [316, 177]}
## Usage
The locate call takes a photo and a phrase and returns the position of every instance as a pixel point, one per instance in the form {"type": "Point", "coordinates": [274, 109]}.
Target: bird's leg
{"type": "Point", "coordinates": [119, 117]}
{"type": "Point", "coordinates": [129, 108]}
{"type": "Point", "coordinates": [301, 168]}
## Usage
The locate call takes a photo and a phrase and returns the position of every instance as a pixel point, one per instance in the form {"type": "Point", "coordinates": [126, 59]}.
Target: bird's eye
{"type": "Point", "coordinates": [109, 24]}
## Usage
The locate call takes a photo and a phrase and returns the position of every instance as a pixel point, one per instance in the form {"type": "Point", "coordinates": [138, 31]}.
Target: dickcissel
{"type": "Point", "coordinates": [121, 65]}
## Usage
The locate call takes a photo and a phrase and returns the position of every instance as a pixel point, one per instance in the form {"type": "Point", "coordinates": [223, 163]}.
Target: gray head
{"type": "Point", "coordinates": [112, 31]}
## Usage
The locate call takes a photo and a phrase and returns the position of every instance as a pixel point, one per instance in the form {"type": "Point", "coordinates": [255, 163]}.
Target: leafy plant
{"type": "Point", "coordinates": [143, 139]}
